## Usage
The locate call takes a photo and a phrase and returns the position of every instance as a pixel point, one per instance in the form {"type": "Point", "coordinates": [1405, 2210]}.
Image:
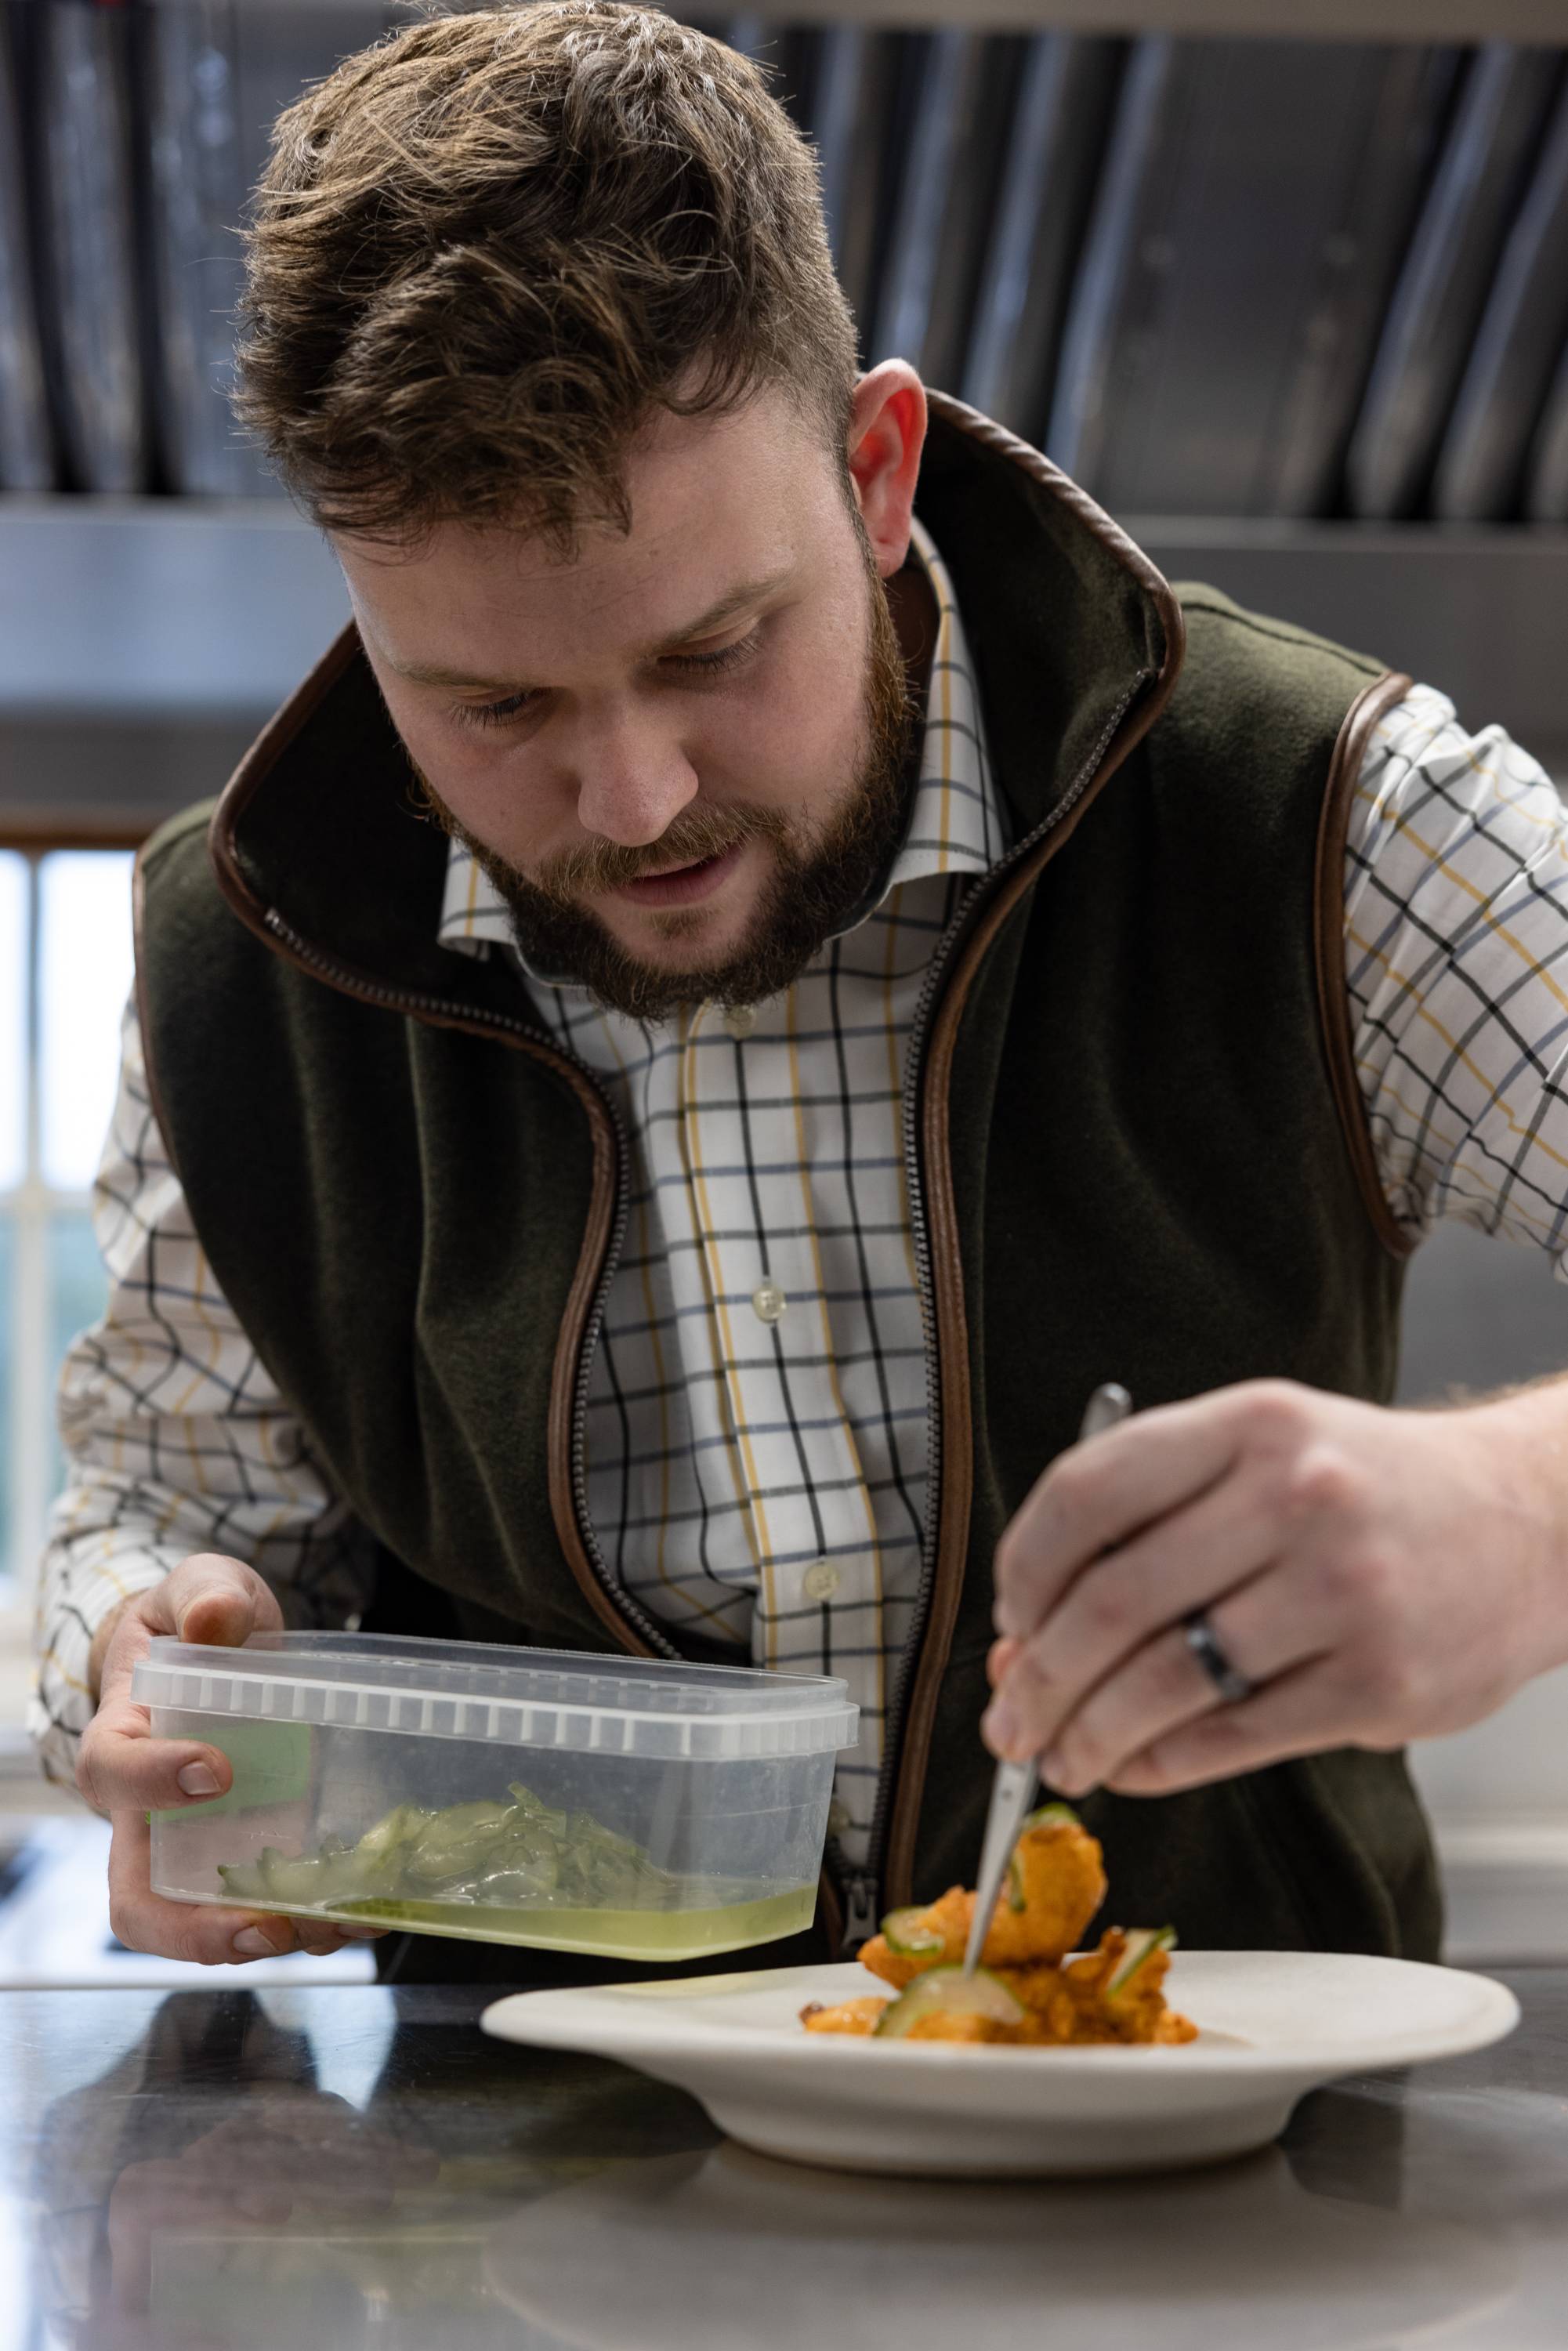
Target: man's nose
{"type": "Point", "coordinates": [632, 782]}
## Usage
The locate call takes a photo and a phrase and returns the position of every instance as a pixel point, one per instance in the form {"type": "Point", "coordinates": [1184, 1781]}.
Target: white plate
{"type": "Point", "coordinates": [1272, 2026]}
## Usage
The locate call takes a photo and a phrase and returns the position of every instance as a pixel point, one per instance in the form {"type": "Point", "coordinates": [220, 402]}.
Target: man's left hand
{"type": "Point", "coordinates": [1376, 1575]}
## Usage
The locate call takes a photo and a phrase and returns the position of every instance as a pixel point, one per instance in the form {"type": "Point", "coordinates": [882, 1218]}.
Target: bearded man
{"type": "Point", "coordinates": [775, 955]}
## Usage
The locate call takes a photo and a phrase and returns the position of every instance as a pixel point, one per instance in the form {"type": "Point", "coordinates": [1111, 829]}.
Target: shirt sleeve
{"type": "Point", "coordinates": [1457, 961]}
{"type": "Point", "coordinates": [177, 1439]}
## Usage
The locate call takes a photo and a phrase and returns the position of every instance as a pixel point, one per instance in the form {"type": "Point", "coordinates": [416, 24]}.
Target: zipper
{"type": "Point", "coordinates": [403, 1000]}
{"type": "Point", "coordinates": [962, 923]}
{"type": "Point", "coordinates": [862, 1906]}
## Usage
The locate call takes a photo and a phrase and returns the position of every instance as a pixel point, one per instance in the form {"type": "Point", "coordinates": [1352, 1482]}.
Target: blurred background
{"type": "Point", "coordinates": [1285, 287]}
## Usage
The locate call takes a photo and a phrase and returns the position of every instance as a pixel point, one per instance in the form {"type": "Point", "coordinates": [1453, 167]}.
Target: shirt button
{"type": "Point", "coordinates": [839, 1818]}
{"type": "Point", "coordinates": [769, 1301]}
{"type": "Point", "coordinates": [740, 1019]}
{"type": "Point", "coordinates": [820, 1580]}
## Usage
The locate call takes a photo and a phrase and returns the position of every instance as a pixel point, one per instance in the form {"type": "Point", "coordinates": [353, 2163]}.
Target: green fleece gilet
{"type": "Point", "coordinates": [1150, 1178]}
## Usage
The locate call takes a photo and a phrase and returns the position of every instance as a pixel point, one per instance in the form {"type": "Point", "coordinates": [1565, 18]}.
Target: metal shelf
{"type": "Point", "coordinates": [1338, 20]}
{"type": "Point", "coordinates": [158, 607]}
{"type": "Point", "coordinates": [143, 642]}
{"type": "Point", "coordinates": [1543, 21]}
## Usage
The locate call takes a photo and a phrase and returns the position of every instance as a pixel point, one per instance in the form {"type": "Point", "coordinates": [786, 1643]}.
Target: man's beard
{"type": "Point", "coordinates": [817, 886]}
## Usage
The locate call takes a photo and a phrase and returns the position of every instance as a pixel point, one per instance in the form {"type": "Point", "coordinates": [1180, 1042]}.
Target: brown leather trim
{"type": "Point", "coordinates": [957, 1485]}
{"type": "Point", "coordinates": [1368, 710]}
{"type": "Point", "coordinates": [258, 763]}
{"type": "Point", "coordinates": [1061, 487]}
{"type": "Point", "coordinates": [332, 972]}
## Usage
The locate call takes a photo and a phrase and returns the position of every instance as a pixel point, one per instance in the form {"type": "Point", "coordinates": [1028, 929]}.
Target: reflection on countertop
{"type": "Point", "coordinates": [54, 1918]}
{"type": "Point", "coordinates": [361, 2166]}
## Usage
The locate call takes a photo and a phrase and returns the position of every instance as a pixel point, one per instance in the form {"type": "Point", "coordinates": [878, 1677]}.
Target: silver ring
{"type": "Point", "coordinates": [1201, 1639]}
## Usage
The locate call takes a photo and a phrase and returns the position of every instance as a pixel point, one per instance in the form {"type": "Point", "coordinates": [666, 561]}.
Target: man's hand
{"type": "Point", "coordinates": [1377, 1576]}
{"type": "Point", "coordinates": [275, 2154]}
{"type": "Point", "coordinates": [125, 1772]}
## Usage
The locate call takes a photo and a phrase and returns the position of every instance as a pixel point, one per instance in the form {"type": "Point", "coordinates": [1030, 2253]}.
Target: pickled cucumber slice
{"type": "Point", "coordinates": [907, 1935]}
{"type": "Point", "coordinates": [294, 1881]}
{"type": "Point", "coordinates": [398, 1827]}
{"type": "Point", "coordinates": [949, 1991]}
{"type": "Point", "coordinates": [1052, 1813]}
{"type": "Point", "coordinates": [1143, 1942]}
{"type": "Point", "coordinates": [514, 1853]}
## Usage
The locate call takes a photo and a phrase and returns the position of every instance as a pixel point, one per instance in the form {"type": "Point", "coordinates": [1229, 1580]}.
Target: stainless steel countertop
{"type": "Point", "coordinates": [213, 2170]}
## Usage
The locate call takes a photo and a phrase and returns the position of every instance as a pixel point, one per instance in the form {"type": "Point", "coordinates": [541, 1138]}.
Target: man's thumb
{"type": "Point", "coordinates": [221, 1605]}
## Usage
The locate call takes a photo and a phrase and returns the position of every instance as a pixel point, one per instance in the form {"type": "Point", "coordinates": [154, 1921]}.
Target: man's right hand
{"type": "Point", "coordinates": [125, 1773]}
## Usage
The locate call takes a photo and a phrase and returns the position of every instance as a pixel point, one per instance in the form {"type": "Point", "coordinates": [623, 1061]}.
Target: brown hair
{"type": "Point", "coordinates": [488, 250]}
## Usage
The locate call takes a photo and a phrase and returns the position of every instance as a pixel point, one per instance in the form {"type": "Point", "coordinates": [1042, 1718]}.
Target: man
{"type": "Point", "coordinates": [755, 976]}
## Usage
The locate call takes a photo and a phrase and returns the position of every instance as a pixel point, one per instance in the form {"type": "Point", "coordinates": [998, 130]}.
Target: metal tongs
{"type": "Point", "coordinates": [1013, 1790]}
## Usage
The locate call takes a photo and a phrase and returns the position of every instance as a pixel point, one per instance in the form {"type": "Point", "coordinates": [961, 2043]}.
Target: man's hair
{"type": "Point", "coordinates": [486, 252]}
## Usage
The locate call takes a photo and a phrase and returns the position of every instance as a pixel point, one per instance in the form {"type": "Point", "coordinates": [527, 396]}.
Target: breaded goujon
{"type": "Point", "coordinates": [1058, 1874]}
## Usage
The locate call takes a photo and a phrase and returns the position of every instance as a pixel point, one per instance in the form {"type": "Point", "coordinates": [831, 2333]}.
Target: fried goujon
{"type": "Point", "coordinates": [1063, 2006]}
{"type": "Point", "coordinates": [1036, 1995]}
{"type": "Point", "coordinates": [1052, 1889]}
{"type": "Point", "coordinates": [849, 2016]}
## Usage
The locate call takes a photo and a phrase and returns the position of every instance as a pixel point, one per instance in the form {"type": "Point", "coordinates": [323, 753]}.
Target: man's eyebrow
{"type": "Point", "coordinates": [734, 600]}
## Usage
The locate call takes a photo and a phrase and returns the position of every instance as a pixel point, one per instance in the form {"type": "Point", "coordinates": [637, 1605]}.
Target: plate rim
{"type": "Point", "coordinates": [654, 2027]}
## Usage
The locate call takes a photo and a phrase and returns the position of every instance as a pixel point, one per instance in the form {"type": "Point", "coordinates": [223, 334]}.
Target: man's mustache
{"type": "Point", "coordinates": [695, 833]}
{"type": "Point", "coordinates": [594, 866]}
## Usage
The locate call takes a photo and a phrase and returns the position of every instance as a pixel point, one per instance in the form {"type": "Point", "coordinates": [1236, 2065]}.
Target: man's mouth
{"type": "Point", "coordinates": [682, 886]}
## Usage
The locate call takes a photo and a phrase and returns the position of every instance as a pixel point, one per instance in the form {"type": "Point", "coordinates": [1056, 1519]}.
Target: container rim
{"type": "Point", "coordinates": [516, 1697]}
{"type": "Point", "coordinates": [310, 1655]}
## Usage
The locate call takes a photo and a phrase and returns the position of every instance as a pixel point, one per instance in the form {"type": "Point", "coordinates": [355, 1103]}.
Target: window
{"type": "Point", "coordinates": [65, 973]}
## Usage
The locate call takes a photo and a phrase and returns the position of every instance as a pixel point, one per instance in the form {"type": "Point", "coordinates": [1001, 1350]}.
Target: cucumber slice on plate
{"type": "Point", "coordinates": [1143, 1942]}
{"type": "Point", "coordinates": [907, 1934]}
{"type": "Point", "coordinates": [949, 1991]}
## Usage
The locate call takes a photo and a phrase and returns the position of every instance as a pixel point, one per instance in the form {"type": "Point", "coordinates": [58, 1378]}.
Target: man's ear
{"type": "Point", "coordinates": [887, 435]}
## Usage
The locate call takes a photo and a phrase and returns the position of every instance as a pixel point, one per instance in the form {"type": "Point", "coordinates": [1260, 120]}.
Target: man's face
{"type": "Point", "coordinates": [680, 755]}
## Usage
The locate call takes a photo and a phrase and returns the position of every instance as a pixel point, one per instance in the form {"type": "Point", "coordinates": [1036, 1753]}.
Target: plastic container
{"type": "Point", "coordinates": [638, 1810]}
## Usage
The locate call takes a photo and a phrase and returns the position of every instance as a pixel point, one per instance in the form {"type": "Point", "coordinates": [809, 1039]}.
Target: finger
{"type": "Point", "coordinates": [321, 1939]}
{"type": "Point", "coordinates": [203, 1934]}
{"type": "Point", "coordinates": [1155, 1692]}
{"type": "Point", "coordinates": [1301, 1713]}
{"type": "Point", "coordinates": [999, 1659]}
{"type": "Point", "coordinates": [220, 1601]}
{"type": "Point", "coordinates": [207, 1599]}
{"type": "Point", "coordinates": [121, 1766]}
{"type": "Point", "coordinates": [1126, 1598]}
{"type": "Point", "coordinates": [1260, 1629]}
{"type": "Point", "coordinates": [1097, 1494]}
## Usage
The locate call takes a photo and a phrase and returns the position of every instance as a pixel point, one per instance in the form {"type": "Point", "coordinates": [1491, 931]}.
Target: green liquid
{"type": "Point", "coordinates": [604, 1933]}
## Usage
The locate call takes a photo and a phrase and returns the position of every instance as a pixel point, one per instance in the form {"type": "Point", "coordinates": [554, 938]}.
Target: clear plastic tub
{"type": "Point", "coordinates": [639, 1809]}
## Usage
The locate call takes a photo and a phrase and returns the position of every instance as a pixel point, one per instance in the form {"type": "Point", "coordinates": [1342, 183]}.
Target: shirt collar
{"type": "Point", "coordinates": [956, 819]}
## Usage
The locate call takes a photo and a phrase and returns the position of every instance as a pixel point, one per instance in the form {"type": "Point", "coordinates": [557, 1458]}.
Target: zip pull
{"type": "Point", "coordinates": [862, 1906]}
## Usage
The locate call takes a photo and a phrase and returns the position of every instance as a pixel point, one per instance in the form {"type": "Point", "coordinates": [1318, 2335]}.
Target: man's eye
{"type": "Point", "coordinates": [496, 714]}
{"type": "Point", "coordinates": [715, 665]}
{"type": "Point", "coordinates": [492, 714]}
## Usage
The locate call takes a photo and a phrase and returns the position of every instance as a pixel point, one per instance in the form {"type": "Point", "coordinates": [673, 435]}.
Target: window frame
{"type": "Point", "coordinates": [31, 1208]}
